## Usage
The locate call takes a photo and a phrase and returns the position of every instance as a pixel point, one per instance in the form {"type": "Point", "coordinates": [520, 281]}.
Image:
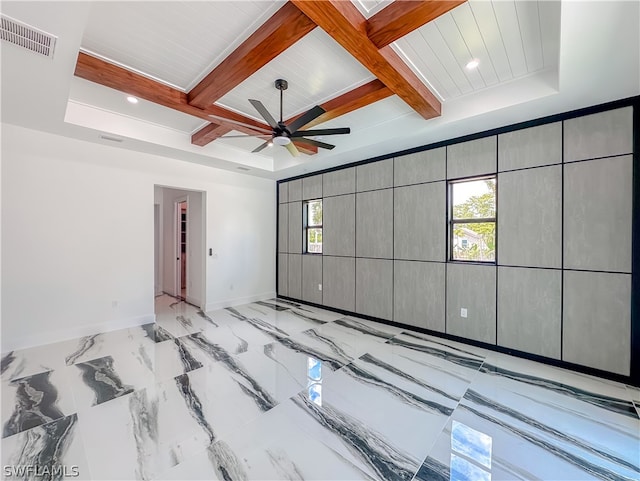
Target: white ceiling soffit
{"type": "Point", "coordinates": [509, 39]}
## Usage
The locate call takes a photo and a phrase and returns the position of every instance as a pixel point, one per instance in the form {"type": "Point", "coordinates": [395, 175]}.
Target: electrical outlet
{"type": "Point", "coordinates": [463, 312]}
{"type": "Point", "coordinates": [319, 287]}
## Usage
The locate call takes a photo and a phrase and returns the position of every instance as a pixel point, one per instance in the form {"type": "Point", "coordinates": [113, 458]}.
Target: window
{"type": "Point", "coordinates": [312, 218]}
{"type": "Point", "coordinates": [472, 220]}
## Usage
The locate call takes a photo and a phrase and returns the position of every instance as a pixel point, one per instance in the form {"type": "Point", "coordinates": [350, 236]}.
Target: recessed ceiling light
{"type": "Point", "coordinates": [270, 144]}
{"type": "Point", "coordinates": [473, 64]}
{"type": "Point", "coordinates": [131, 99]}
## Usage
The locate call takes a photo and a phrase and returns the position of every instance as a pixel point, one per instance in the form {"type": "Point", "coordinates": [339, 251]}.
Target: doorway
{"type": "Point", "coordinates": [181, 244]}
{"type": "Point", "coordinates": [181, 247]}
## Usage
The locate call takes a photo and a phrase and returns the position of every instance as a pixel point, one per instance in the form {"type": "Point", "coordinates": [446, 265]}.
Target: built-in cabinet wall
{"type": "Point", "coordinates": [561, 286]}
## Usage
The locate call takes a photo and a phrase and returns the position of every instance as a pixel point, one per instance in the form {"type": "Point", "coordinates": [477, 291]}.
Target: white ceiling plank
{"type": "Point", "coordinates": [428, 67]}
{"type": "Point", "coordinates": [455, 41]}
{"type": "Point", "coordinates": [509, 28]}
{"type": "Point", "coordinates": [432, 36]}
{"type": "Point", "coordinates": [317, 69]}
{"type": "Point", "coordinates": [487, 23]}
{"type": "Point", "coordinates": [529, 22]}
{"type": "Point", "coordinates": [470, 31]}
{"type": "Point", "coordinates": [177, 42]}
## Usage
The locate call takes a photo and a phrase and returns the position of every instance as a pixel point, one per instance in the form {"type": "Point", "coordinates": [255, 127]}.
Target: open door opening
{"type": "Point", "coordinates": [181, 244]}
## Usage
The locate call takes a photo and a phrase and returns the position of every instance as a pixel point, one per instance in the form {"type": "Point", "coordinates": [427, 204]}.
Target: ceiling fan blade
{"type": "Point", "coordinates": [315, 142]}
{"type": "Point", "coordinates": [260, 147]}
{"type": "Point", "coordinates": [305, 118]}
{"type": "Point", "coordinates": [262, 110]}
{"type": "Point", "coordinates": [293, 150]}
{"type": "Point", "coordinates": [249, 126]}
{"type": "Point", "coordinates": [306, 133]}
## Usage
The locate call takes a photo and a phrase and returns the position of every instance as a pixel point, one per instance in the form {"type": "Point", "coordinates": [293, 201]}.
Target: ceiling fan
{"type": "Point", "coordinates": [285, 135]}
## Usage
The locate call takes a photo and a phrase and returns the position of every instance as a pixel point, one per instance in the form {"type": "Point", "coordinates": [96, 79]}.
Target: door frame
{"type": "Point", "coordinates": [177, 290]}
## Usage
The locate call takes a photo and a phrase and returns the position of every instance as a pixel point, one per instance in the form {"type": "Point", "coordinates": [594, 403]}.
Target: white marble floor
{"type": "Point", "coordinates": [276, 390]}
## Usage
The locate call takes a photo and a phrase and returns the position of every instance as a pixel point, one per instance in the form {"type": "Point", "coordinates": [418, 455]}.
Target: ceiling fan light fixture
{"type": "Point", "coordinates": [281, 140]}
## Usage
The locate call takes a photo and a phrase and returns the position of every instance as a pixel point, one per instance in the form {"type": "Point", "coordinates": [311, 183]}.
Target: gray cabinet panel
{"type": "Point", "coordinates": [283, 275]}
{"type": "Point", "coordinates": [283, 228]}
{"type": "Point", "coordinates": [597, 214]}
{"type": "Point", "coordinates": [374, 224]}
{"type": "Point", "coordinates": [472, 287]}
{"type": "Point", "coordinates": [532, 147]}
{"type": "Point", "coordinates": [295, 276]}
{"type": "Point", "coordinates": [283, 192]}
{"type": "Point", "coordinates": [597, 320]}
{"type": "Point", "coordinates": [529, 310]}
{"type": "Point", "coordinates": [374, 288]}
{"type": "Point", "coordinates": [339, 225]}
{"type": "Point", "coordinates": [418, 293]}
{"type": "Point", "coordinates": [339, 282]}
{"type": "Point", "coordinates": [599, 135]}
{"type": "Point", "coordinates": [420, 222]}
{"type": "Point", "coordinates": [420, 167]}
{"type": "Point", "coordinates": [312, 278]}
{"type": "Point", "coordinates": [312, 187]}
{"type": "Point", "coordinates": [476, 157]}
{"type": "Point", "coordinates": [295, 228]}
{"type": "Point", "coordinates": [376, 175]}
{"type": "Point", "coordinates": [339, 182]}
{"type": "Point", "coordinates": [295, 190]}
{"type": "Point", "coordinates": [530, 217]}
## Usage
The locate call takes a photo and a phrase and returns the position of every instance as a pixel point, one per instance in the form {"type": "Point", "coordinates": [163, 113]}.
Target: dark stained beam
{"type": "Point", "coordinates": [403, 17]}
{"type": "Point", "coordinates": [281, 31]}
{"type": "Point", "coordinates": [347, 26]}
{"type": "Point", "coordinates": [118, 78]}
{"type": "Point", "coordinates": [209, 133]}
{"type": "Point", "coordinates": [353, 100]}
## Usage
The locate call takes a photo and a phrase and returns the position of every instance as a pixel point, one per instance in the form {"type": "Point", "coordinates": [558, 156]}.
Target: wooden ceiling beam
{"type": "Point", "coordinates": [118, 78]}
{"type": "Point", "coordinates": [281, 31]}
{"type": "Point", "coordinates": [347, 26]}
{"type": "Point", "coordinates": [209, 133]}
{"type": "Point", "coordinates": [403, 17]}
{"type": "Point", "coordinates": [353, 100]}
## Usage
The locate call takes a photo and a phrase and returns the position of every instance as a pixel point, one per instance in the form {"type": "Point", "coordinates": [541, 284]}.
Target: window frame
{"type": "Point", "coordinates": [451, 222]}
{"type": "Point", "coordinates": [306, 227]}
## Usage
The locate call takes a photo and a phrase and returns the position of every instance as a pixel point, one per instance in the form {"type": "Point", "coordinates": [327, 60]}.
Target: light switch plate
{"type": "Point", "coordinates": [463, 312]}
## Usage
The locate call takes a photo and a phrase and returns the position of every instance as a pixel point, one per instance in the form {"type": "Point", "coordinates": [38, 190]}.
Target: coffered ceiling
{"type": "Point", "coordinates": [394, 72]}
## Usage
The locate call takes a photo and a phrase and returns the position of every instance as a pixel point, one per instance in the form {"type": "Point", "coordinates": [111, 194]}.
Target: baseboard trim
{"type": "Point", "coordinates": [239, 300]}
{"type": "Point", "coordinates": [39, 339]}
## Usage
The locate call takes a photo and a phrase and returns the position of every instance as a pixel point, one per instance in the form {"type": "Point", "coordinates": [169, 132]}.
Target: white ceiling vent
{"type": "Point", "coordinates": [26, 36]}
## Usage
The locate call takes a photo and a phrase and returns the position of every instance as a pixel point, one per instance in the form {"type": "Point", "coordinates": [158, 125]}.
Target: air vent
{"type": "Point", "coordinates": [26, 36]}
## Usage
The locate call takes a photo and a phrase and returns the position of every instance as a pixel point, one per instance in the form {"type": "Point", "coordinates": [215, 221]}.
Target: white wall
{"type": "Point", "coordinates": [77, 235]}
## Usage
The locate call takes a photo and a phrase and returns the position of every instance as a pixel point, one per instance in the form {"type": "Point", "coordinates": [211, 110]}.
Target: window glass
{"type": "Point", "coordinates": [473, 220]}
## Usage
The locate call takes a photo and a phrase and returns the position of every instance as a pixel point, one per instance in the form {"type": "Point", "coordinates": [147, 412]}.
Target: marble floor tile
{"type": "Point", "coordinates": [269, 448]}
{"type": "Point", "coordinates": [35, 400]}
{"type": "Point", "coordinates": [174, 357]}
{"type": "Point", "coordinates": [103, 379]}
{"type": "Point", "coordinates": [51, 451]}
{"type": "Point", "coordinates": [277, 389]}
{"type": "Point", "coordinates": [286, 321]}
{"type": "Point", "coordinates": [34, 360]}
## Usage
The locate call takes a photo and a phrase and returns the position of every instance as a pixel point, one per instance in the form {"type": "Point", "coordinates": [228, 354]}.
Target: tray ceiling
{"type": "Point", "coordinates": [534, 58]}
